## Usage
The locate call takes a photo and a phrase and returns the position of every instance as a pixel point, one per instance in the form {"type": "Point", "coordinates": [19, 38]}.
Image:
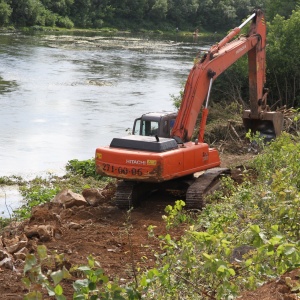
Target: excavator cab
{"type": "Point", "coordinates": [155, 124]}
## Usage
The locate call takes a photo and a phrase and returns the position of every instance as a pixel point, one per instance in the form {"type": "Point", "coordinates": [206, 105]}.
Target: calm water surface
{"type": "Point", "coordinates": [63, 96]}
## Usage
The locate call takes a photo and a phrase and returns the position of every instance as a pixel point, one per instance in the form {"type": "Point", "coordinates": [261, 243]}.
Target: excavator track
{"type": "Point", "coordinates": [202, 186]}
{"type": "Point", "coordinates": [129, 193]}
{"type": "Point", "coordinates": [124, 194]}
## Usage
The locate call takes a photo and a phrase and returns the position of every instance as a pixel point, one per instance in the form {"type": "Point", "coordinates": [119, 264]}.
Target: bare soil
{"type": "Point", "coordinates": [118, 242]}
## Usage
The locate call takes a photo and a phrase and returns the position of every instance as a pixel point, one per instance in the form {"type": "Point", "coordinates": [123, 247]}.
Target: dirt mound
{"type": "Point", "coordinates": [104, 231]}
{"type": "Point", "coordinates": [286, 288]}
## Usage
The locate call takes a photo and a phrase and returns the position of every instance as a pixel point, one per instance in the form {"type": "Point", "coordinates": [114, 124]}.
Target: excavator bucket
{"type": "Point", "coordinates": [269, 124]}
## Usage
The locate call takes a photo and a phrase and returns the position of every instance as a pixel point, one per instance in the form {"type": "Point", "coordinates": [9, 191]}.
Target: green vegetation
{"type": "Point", "coordinates": [85, 168]}
{"type": "Point", "coordinates": [137, 14]}
{"type": "Point", "coordinates": [283, 50]}
{"type": "Point", "coordinates": [246, 235]}
{"type": "Point", "coordinates": [79, 175]}
{"type": "Point", "coordinates": [47, 271]}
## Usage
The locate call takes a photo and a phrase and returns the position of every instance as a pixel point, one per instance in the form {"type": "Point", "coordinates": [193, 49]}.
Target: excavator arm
{"type": "Point", "coordinates": [218, 59]}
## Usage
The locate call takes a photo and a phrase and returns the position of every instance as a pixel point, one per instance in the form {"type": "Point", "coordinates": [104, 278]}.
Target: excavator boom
{"type": "Point", "coordinates": [218, 59]}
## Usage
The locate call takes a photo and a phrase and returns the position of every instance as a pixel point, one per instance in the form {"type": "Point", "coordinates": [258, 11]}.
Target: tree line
{"type": "Point", "coordinates": [211, 15]}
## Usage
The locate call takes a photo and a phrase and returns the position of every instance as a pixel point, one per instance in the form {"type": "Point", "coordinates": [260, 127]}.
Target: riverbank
{"type": "Point", "coordinates": [175, 33]}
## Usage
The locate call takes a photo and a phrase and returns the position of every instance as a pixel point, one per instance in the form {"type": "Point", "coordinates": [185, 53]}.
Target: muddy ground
{"type": "Point", "coordinates": [118, 242]}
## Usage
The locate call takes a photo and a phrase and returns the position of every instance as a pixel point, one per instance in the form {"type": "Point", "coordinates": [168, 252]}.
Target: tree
{"type": "Point", "coordinates": [233, 84]}
{"type": "Point", "coordinates": [182, 11]}
{"type": "Point", "coordinates": [26, 12]}
{"type": "Point", "coordinates": [80, 13]}
{"type": "Point", "coordinates": [101, 11]}
{"type": "Point", "coordinates": [159, 9]}
{"type": "Point", "coordinates": [217, 14]}
{"type": "Point", "coordinates": [61, 7]}
{"type": "Point", "coordinates": [5, 13]}
{"type": "Point", "coordinates": [283, 8]}
{"type": "Point", "coordinates": [283, 63]}
{"type": "Point", "coordinates": [130, 9]}
{"type": "Point", "coordinates": [246, 7]}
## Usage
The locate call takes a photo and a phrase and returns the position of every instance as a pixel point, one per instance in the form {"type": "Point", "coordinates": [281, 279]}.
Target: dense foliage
{"type": "Point", "coordinates": [283, 54]}
{"type": "Point", "coordinates": [211, 15]}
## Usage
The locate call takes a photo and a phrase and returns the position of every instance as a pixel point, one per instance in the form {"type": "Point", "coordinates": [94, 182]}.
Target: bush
{"type": "Point", "coordinates": [247, 235]}
{"type": "Point", "coordinates": [5, 13]}
{"type": "Point", "coordinates": [85, 168]}
{"type": "Point", "coordinates": [64, 22]}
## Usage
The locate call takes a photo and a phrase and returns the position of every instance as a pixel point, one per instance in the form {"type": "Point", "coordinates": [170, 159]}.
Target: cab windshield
{"type": "Point", "coordinates": [149, 128]}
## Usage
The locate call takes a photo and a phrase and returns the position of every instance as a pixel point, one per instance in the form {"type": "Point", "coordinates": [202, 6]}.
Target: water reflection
{"type": "Point", "coordinates": [10, 199]}
{"type": "Point", "coordinates": [7, 86]}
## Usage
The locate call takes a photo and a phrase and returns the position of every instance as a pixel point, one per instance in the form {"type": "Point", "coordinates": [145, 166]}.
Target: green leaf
{"type": "Point", "coordinates": [288, 250]}
{"type": "Point", "coordinates": [262, 236]}
{"type": "Point", "coordinates": [33, 296]}
{"type": "Point", "coordinates": [80, 283]}
{"type": "Point", "coordinates": [92, 286]}
{"type": "Point", "coordinates": [231, 271]}
{"type": "Point", "coordinates": [79, 297]}
{"type": "Point", "coordinates": [60, 297]}
{"type": "Point", "coordinates": [26, 281]}
{"type": "Point", "coordinates": [275, 240]}
{"type": "Point", "coordinates": [207, 256]}
{"type": "Point", "coordinates": [57, 276]}
{"type": "Point", "coordinates": [99, 272]}
{"type": "Point", "coordinates": [255, 228]}
{"type": "Point", "coordinates": [58, 290]}
{"type": "Point", "coordinates": [42, 252]}
{"type": "Point", "coordinates": [50, 290]}
{"type": "Point", "coordinates": [143, 281]}
{"type": "Point", "coordinates": [30, 261]}
{"type": "Point", "coordinates": [105, 279]}
{"type": "Point", "coordinates": [221, 269]}
{"type": "Point", "coordinates": [84, 268]}
{"type": "Point", "coordinates": [66, 273]}
{"type": "Point", "coordinates": [91, 261]}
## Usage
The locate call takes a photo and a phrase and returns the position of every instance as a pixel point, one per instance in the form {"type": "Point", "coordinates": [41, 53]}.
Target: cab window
{"type": "Point", "coordinates": [137, 127]}
{"type": "Point", "coordinates": [149, 128]}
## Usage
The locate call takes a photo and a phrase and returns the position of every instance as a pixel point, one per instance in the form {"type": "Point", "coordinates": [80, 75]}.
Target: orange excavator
{"type": "Point", "coordinates": [160, 153]}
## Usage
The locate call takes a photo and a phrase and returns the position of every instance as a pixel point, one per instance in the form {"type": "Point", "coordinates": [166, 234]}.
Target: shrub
{"type": "Point", "coordinates": [64, 22]}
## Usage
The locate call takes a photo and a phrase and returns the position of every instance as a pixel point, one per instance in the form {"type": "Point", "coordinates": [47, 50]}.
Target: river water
{"type": "Point", "coordinates": [62, 96]}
